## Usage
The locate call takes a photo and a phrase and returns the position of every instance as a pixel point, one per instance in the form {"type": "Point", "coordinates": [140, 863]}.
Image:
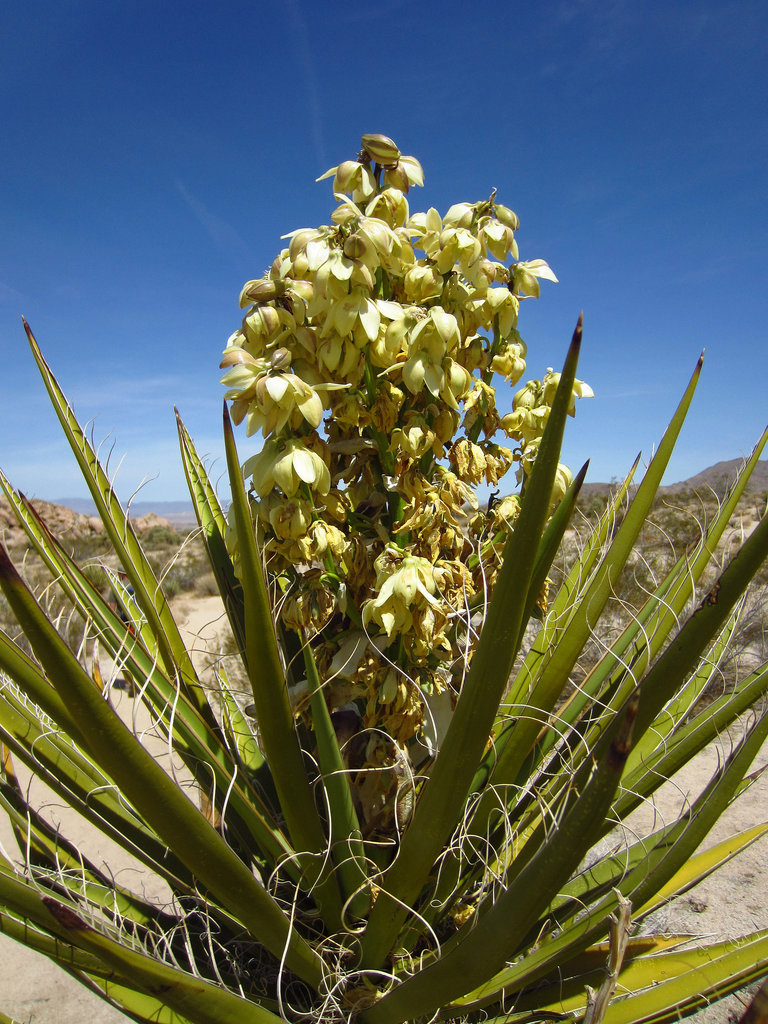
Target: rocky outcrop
{"type": "Point", "coordinates": [65, 524]}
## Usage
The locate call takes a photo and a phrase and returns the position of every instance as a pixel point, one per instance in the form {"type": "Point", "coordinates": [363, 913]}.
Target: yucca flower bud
{"type": "Point", "coordinates": [381, 149]}
{"type": "Point", "coordinates": [281, 359]}
{"type": "Point", "coordinates": [263, 290]}
{"type": "Point", "coordinates": [506, 216]}
{"type": "Point", "coordinates": [358, 247]}
{"type": "Point", "coordinates": [261, 324]}
{"type": "Point", "coordinates": [445, 423]}
{"type": "Point", "coordinates": [529, 396]}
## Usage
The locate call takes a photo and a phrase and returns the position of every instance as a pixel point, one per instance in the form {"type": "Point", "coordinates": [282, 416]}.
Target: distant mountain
{"type": "Point", "coordinates": [715, 478]}
{"type": "Point", "coordinates": [178, 513]}
{"type": "Point", "coordinates": [67, 523]}
{"type": "Point", "coordinates": [721, 475]}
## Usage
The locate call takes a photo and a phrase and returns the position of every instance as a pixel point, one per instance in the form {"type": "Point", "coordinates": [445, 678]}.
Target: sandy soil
{"type": "Point", "coordinates": [733, 902]}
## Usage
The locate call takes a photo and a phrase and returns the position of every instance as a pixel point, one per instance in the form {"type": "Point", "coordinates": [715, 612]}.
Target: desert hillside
{"type": "Point", "coordinates": [67, 524]}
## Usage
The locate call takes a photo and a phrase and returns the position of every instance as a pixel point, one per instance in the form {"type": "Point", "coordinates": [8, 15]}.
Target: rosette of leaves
{"type": "Point", "coordinates": [485, 889]}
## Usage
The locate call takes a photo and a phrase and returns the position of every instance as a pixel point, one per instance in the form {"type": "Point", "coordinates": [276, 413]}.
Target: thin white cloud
{"type": "Point", "coordinates": [10, 296]}
{"type": "Point", "coordinates": [304, 57]}
{"type": "Point", "coordinates": [222, 234]}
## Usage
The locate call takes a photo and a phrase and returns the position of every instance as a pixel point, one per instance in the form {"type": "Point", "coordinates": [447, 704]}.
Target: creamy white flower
{"type": "Point", "coordinates": [401, 592]}
{"type": "Point", "coordinates": [526, 276]}
{"type": "Point", "coordinates": [287, 463]}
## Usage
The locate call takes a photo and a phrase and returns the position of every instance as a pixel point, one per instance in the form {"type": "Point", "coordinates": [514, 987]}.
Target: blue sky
{"type": "Point", "coordinates": [153, 153]}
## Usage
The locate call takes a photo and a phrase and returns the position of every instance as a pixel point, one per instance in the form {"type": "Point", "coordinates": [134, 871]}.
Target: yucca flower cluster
{"type": "Point", "coordinates": [367, 358]}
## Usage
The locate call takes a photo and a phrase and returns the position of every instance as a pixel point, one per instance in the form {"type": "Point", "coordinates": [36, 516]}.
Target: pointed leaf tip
{"type": "Point", "coordinates": [575, 346]}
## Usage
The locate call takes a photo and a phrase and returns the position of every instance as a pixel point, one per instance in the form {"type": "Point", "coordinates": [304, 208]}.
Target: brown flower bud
{"type": "Point", "coordinates": [263, 290]}
{"type": "Point", "coordinates": [381, 149]}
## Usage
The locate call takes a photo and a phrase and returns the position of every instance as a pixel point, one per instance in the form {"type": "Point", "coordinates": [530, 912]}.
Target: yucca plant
{"type": "Point", "coordinates": [410, 814]}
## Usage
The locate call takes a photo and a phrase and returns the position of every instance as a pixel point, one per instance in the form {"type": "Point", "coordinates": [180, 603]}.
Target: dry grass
{"type": "Point", "coordinates": [674, 527]}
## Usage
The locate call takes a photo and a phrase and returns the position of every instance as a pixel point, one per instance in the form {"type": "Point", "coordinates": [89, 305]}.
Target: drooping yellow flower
{"type": "Point", "coordinates": [268, 396]}
{"type": "Point", "coordinates": [290, 518]}
{"type": "Point", "coordinates": [429, 342]}
{"type": "Point", "coordinates": [321, 539]}
{"type": "Point", "coordinates": [497, 238]}
{"type": "Point", "coordinates": [355, 314]}
{"type": "Point", "coordinates": [526, 277]}
{"type": "Point", "coordinates": [549, 387]}
{"type": "Point", "coordinates": [390, 205]}
{"type": "Point", "coordinates": [352, 177]}
{"type": "Point", "coordinates": [287, 463]}
{"type": "Point", "coordinates": [509, 361]}
{"type": "Point", "coordinates": [503, 304]}
{"type": "Point", "coordinates": [402, 589]}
